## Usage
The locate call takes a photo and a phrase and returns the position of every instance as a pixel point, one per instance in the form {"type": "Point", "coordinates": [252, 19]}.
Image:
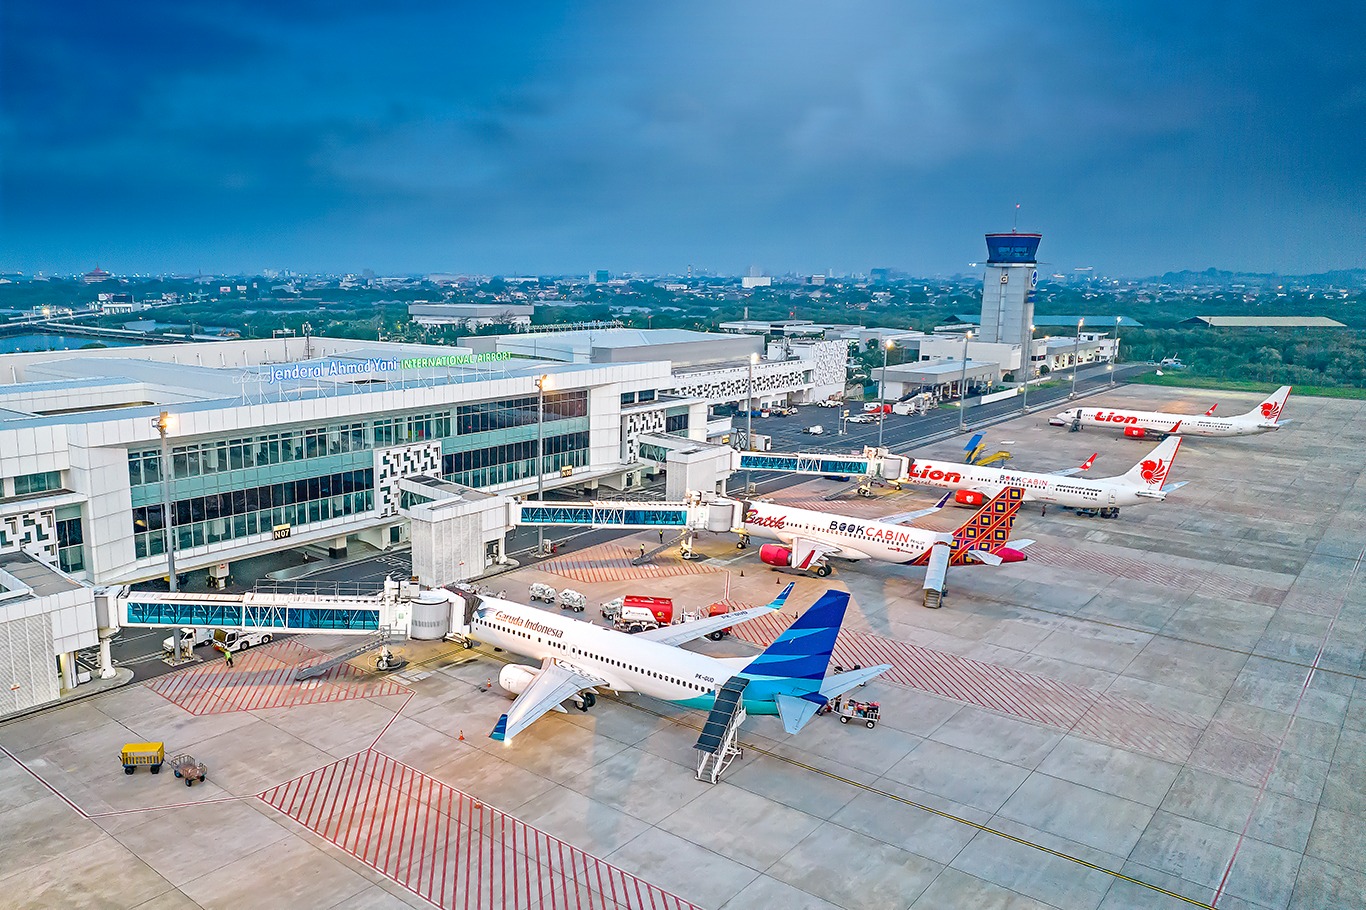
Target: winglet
{"type": "Point", "coordinates": [500, 729]}
{"type": "Point", "coordinates": [777, 602]}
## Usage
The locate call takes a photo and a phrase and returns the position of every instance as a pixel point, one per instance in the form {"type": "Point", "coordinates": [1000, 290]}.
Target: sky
{"type": "Point", "coordinates": [556, 138]}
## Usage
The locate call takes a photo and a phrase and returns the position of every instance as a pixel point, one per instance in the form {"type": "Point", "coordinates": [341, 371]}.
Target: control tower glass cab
{"type": "Point", "coordinates": [1007, 289]}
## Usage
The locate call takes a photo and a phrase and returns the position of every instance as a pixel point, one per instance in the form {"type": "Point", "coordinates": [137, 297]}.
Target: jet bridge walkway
{"type": "Point", "coordinates": [717, 746]}
{"type": "Point", "coordinates": [264, 610]}
{"type": "Point", "coordinates": [873, 462]}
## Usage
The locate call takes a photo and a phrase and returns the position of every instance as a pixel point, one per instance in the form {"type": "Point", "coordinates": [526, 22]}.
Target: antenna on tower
{"type": "Point", "coordinates": [1016, 228]}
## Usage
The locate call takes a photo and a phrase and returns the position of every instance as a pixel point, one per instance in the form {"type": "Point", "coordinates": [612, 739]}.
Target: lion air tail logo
{"type": "Point", "coordinates": [1154, 471]}
{"type": "Point", "coordinates": [1271, 410]}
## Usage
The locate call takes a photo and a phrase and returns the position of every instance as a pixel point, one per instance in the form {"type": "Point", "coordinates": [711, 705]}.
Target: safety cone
{"type": "Point", "coordinates": [461, 738]}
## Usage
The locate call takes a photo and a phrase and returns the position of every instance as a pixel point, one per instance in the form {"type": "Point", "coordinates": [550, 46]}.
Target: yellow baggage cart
{"type": "Point", "coordinates": [149, 754]}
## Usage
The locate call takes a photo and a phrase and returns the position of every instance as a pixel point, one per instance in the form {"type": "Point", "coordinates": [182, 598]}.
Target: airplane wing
{"type": "Point", "coordinates": [843, 682]}
{"type": "Point", "coordinates": [902, 518]}
{"type": "Point", "coordinates": [807, 552]}
{"type": "Point", "coordinates": [1073, 472]}
{"type": "Point", "coordinates": [556, 682]}
{"type": "Point", "coordinates": [689, 631]}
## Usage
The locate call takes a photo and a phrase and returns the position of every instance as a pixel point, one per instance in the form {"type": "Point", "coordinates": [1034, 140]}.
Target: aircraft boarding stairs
{"type": "Point", "coordinates": [717, 746]}
{"type": "Point", "coordinates": [369, 643]}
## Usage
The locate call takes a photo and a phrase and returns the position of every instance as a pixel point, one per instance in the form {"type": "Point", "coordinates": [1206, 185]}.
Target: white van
{"type": "Point", "coordinates": [817, 430]}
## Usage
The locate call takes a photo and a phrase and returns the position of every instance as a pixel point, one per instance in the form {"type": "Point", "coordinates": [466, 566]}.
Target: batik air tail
{"type": "Point", "coordinates": [1148, 478]}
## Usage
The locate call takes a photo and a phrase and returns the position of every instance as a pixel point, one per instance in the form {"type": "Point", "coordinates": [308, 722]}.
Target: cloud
{"type": "Point", "coordinates": [802, 134]}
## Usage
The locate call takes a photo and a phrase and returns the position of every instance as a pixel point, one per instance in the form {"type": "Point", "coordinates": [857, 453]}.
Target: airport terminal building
{"type": "Point", "coordinates": [276, 444]}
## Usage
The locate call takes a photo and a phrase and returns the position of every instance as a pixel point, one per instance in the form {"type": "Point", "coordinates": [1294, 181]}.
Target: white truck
{"type": "Point", "coordinates": [189, 638]}
{"type": "Point", "coordinates": [816, 430]}
{"type": "Point", "coordinates": [239, 639]}
{"type": "Point", "coordinates": [543, 592]}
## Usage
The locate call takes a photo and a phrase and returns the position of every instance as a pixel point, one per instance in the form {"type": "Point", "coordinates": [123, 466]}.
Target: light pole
{"type": "Point", "coordinates": [163, 423]}
{"type": "Point", "coordinates": [882, 391]}
{"type": "Point", "coordinates": [1114, 352]}
{"type": "Point", "coordinates": [963, 386]}
{"type": "Point", "coordinates": [1076, 348]}
{"type": "Point", "coordinates": [1027, 367]}
{"type": "Point", "coordinates": [749, 416]}
{"type": "Point", "coordinates": [540, 458]}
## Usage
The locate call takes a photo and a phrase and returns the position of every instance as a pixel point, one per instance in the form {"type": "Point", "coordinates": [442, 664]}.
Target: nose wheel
{"type": "Point", "coordinates": [822, 571]}
{"type": "Point", "coordinates": [587, 700]}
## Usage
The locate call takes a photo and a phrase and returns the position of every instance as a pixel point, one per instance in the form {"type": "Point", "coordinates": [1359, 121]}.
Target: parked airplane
{"type": "Point", "coordinates": [788, 679]}
{"type": "Point", "coordinates": [1264, 418]}
{"type": "Point", "coordinates": [809, 538]}
{"type": "Point", "coordinates": [1144, 482]}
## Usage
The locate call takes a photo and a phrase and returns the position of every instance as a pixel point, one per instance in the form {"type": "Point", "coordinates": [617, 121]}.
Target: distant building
{"type": "Point", "coordinates": [601, 276]}
{"type": "Point", "coordinates": [756, 281]}
{"type": "Point", "coordinates": [471, 315]}
{"type": "Point", "coordinates": [1265, 322]}
{"type": "Point", "coordinates": [96, 275]}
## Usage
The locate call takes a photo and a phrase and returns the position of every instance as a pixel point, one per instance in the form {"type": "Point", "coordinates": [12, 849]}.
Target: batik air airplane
{"type": "Point", "coordinates": [809, 538]}
{"type": "Point", "coordinates": [788, 679]}
{"type": "Point", "coordinates": [1264, 418]}
{"type": "Point", "coordinates": [1144, 482]}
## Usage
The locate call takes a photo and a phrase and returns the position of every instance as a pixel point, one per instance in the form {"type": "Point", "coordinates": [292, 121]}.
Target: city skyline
{"type": "Point", "coordinates": [793, 137]}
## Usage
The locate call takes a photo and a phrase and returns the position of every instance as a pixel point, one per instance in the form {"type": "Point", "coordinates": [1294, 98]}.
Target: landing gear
{"type": "Point", "coordinates": [1109, 513]}
{"type": "Point", "coordinates": [743, 542]}
{"type": "Point", "coordinates": [587, 700]}
{"type": "Point", "coordinates": [822, 571]}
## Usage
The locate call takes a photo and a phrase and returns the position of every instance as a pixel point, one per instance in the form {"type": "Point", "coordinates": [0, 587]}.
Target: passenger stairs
{"type": "Point", "coordinates": [718, 744]}
{"type": "Point", "coordinates": [369, 643]}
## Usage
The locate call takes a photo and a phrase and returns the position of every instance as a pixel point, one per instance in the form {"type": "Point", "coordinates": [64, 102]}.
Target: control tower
{"type": "Point", "coordinates": [1007, 289]}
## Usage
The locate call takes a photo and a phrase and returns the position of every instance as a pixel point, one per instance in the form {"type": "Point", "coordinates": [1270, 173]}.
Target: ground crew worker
{"type": "Point", "coordinates": [227, 657]}
{"type": "Point", "coordinates": [661, 535]}
{"type": "Point", "coordinates": [642, 551]}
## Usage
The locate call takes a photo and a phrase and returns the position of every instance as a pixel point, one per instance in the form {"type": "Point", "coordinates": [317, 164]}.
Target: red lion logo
{"type": "Point", "coordinates": [1154, 472]}
{"type": "Point", "coordinates": [1271, 410]}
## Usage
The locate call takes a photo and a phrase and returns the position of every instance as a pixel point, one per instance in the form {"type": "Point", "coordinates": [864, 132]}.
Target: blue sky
{"type": "Point", "coordinates": [793, 136]}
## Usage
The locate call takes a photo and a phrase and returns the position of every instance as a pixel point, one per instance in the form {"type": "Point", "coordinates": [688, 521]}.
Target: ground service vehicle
{"type": "Point", "coordinates": [193, 637]}
{"type": "Point", "coordinates": [572, 600]}
{"type": "Point", "coordinates": [546, 593]}
{"type": "Point", "coordinates": [817, 430]}
{"type": "Point", "coordinates": [188, 769]}
{"type": "Point", "coordinates": [634, 613]}
{"type": "Point", "coordinates": [239, 639]}
{"type": "Point", "coordinates": [150, 755]}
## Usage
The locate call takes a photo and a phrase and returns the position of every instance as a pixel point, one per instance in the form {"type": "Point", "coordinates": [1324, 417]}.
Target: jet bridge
{"type": "Point", "coordinates": [694, 514]}
{"type": "Point", "coordinates": [272, 611]}
{"type": "Point", "coordinates": [873, 462]}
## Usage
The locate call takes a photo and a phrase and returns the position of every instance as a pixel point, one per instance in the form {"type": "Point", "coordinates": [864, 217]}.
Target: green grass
{"type": "Point", "coordinates": [1176, 378]}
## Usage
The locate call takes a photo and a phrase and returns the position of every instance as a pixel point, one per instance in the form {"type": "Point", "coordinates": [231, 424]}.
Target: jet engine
{"type": "Point", "coordinates": [1010, 554]}
{"type": "Point", "coordinates": [516, 677]}
{"type": "Point", "coordinates": [969, 498]}
{"type": "Point", "coordinates": [775, 555]}
{"type": "Point", "coordinates": [1135, 432]}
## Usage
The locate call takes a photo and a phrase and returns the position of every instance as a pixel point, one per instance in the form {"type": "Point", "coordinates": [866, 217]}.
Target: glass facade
{"type": "Point", "coordinates": [37, 483]}
{"type": "Point", "coordinates": [215, 517]}
{"type": "Point", "coordinates": [70, 539]}
{"type": "Point", "coordinates": [237, 487]}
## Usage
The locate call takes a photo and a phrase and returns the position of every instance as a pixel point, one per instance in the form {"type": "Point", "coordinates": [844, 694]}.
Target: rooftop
{"type": "Point", "coordinates": [1267, 322]}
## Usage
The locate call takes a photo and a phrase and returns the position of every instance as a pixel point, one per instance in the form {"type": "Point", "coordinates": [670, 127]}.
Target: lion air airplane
{"type": "Point", "coordinates": [809, 538]}
{"type": "Point", "coordinates": [1264, 418]}
{"type": "Point", "coordinates": [577, 657]}
{"type": "Point", "coordinates": [1144, 482]}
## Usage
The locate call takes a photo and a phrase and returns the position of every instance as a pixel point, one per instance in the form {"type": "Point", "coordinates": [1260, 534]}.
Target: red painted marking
{"type": "Point", "coordinates": [521, 863]}
{"type": "Point", "coordinates": [264, 678]}
{"type": "Point", "coordinates": [1123, 722]}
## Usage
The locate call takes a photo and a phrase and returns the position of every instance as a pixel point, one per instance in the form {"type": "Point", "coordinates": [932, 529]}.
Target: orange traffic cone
{"type": "Point", "coordinates": [462, 736]}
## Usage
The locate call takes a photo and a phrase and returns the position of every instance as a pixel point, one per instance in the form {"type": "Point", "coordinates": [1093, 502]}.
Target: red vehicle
{"type": "Point", "coordinates": [662, 609]}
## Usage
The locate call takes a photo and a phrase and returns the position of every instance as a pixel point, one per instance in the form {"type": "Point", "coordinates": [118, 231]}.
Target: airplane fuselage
{"type": "Point", "coordinates": [627, 663]}
{"type": "Point", "coordinates": [1157, 422]}
{"type": "Point", "coordinates": [856, 538]}
{"type": "Point", "coordinates": [1073, 492]}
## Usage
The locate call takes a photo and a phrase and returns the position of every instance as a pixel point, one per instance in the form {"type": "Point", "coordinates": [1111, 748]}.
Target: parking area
{"type": "Point", "coordinates": [1159, 711]}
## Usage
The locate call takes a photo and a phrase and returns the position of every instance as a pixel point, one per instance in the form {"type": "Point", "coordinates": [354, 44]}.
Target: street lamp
{"type": "Point", "coordinates": [1076, 348]}
{"type": "Point", "coordinates": [963, 386]}
{"type": "Point", "coordinates": [1114, 351]}
{"type": "Point", "coordinates": [749, 416]}
{"type": "Point", "coordinates": [882, 390]}
{"type": "Point", "coordinates": [1027, 369]}
{"type": "Point", "coordinates": [162, 423]}
{"type": "Point", "coordinates": [541, 382]}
